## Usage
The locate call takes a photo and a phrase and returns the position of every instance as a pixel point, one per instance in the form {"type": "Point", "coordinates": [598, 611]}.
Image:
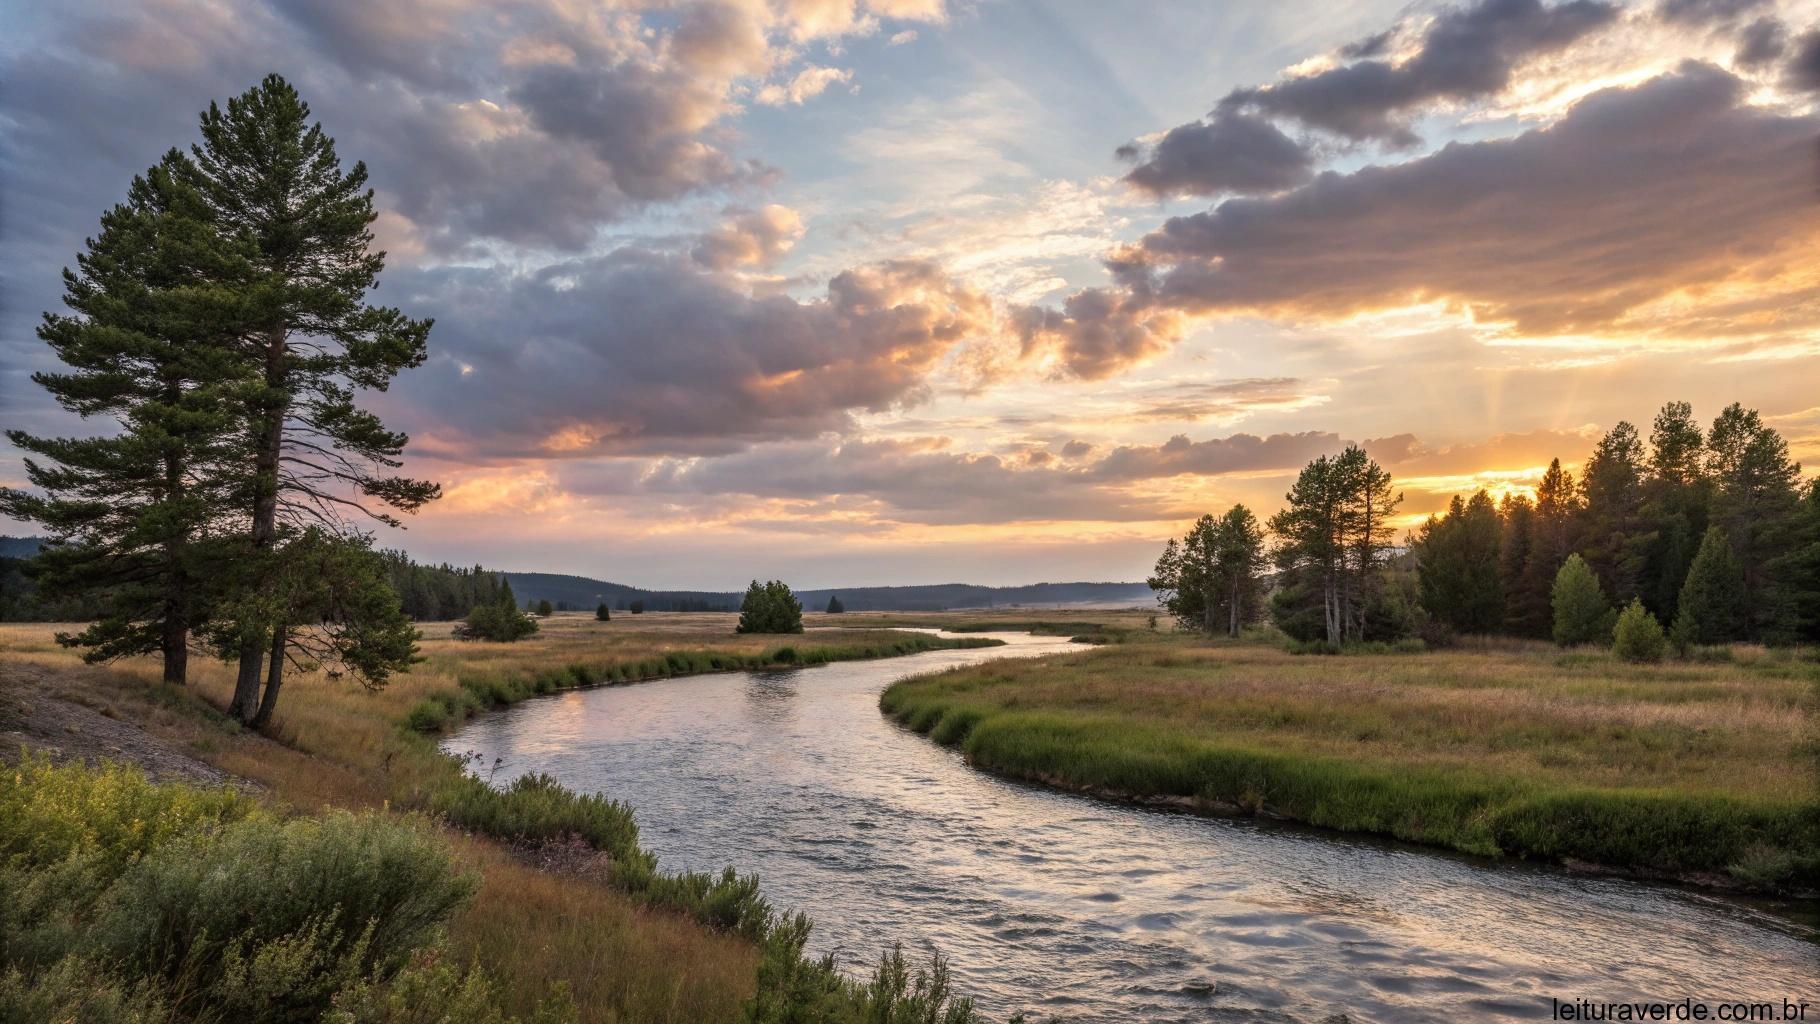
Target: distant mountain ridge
{"type": "Point", "coordinates": [584, 592]}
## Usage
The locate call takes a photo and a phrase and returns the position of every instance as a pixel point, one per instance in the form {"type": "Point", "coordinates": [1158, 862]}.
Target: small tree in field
{"type": "Point", "coordinates": [770, 608]}
{"type": "Point", "coordinates": [637, 607]}
{"type": "Point", "coordinates": [834, 605]}
{"type": "Point", "coordinates": [1638, 636]}
{"type": "Point", "coordinates": [545, 609]}
{"type": "Point", "coordinates": [1582, 614]}
{"type": "Point", "coordinates": [602, 614]}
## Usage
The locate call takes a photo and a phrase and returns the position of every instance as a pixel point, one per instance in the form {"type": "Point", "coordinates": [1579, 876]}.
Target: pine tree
{"type": "Point", "coordinates": [130, 511]}
{"type": "Point", "coordinates": [1581, 612]}
{"type": "Point", "coordinates": [545, 609]}
{"type": "Point", "coordinates": [1711, 605]}
{"type": "Point", "coordinates": [1756, 501]}
{"type": "Point", "coordinates": [770, 608]}
{"type": "Point", "coordinates": [273, 180]}
{"type": "Point", "coordinates": [1551, 540]}
{"type": "Point", "coordinates": [1638, 636]}
{"type": "Point", "coordinates": [602, 613]}
{"type": "Point", "coordinates": [1516, 517]}
{"type": "Point", "coordinates": [1238, 544]}
{"type": "Point", "coordinates": [1335, 534]}
{"type": "Point", "coordinates": [1458, 566]}
{"type": "Point", "coordinates": [834, 605]}
{"type": "Point", "coordinates": [1614, 535]}
{"type": "Point", "coordinates": [1677, 496]}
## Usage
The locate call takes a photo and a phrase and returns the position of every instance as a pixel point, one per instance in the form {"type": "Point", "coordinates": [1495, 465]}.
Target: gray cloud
{"type": "Point", "coordinates": [639, 352]}
{"type": "Point", "coordinates": [923, 482]}
{"type": "Point", "coordinates": [1633, 194]}
{"type": "Point", "coordinates": [1465, 53]}
{"type": "Point", "coordinates": [1804, 64]}
{"type": "Point", "coordinates": [1763, 42]}
{"type": "Point", "coordinates": [1227, 152]}
{"type": "Point", "coordinates": [1707, 12]}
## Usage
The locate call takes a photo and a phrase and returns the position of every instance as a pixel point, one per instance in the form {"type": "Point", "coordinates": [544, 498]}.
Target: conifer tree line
{"type": "Point", "coordinates": [439, 593]}
{"type": "Point", "coordinates": [1711, 534]}
{"type": "Point", "coordinates": [218, 339]}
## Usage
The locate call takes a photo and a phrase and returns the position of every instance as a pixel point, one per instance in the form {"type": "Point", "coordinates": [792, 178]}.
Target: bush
{"type": "Point", "coordinates": [770, 608]}
{"type": "Point", "coordinates": [1582, 615]}
{"type": "Point", "coordinates": [123, 900]}
{"type": "Point", "coordinates": [1638, 636]}
{"type": "Point", "coordinates": [602, 613]}
{"type": "Point", "coordinates": [545, 609]}
{"type": "Point", "coordinates": [500, 623]}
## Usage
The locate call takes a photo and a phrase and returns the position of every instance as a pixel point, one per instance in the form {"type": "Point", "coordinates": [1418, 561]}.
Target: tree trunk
{"type": "Point", "coordinates": [176, 645]}
{"type": "Point", "coordinates": [265, 517]}
{"type": "Point", "coordinates": [274, 679]}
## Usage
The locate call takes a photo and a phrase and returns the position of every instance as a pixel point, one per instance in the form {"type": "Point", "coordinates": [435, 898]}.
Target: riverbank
{"type": "Point", "coordinates": [564, 898]}
{"type": "Point", "coordinates": [1700, 772]}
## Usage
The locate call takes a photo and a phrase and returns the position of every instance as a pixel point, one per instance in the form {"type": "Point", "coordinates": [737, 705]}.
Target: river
{"type": "Point", "coordinates": [1058, 904]}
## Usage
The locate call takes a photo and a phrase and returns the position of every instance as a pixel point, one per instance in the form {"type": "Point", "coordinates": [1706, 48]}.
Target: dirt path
{"type": "Point", "coordinates": [33, 715]}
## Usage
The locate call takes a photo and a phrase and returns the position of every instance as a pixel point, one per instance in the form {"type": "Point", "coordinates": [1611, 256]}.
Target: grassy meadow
{"type": "Point", "coordinates": [1703, 770]}
{"type": "Point", "coordinates": [564, 900]}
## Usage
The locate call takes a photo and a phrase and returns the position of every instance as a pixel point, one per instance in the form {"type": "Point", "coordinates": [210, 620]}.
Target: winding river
{"type": "Point", "coordinates": [1056, 904]}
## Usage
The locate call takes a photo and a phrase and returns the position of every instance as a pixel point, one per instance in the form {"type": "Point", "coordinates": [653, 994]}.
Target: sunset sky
{"type": "Point", "coordinates": [914, 291]}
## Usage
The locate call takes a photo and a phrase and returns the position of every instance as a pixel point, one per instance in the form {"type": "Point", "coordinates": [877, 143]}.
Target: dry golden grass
{"type": "Point", "coordinates": [1740, 728]}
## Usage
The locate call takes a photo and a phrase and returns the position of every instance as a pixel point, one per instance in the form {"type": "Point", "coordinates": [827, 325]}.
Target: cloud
{"type": "Point", "coordinates": [920, 481]}
{"type": "Point", "coordinates": [900, 38]}
{"type": "Point", "coordinates": [1635, 196]}
{"type": "Point", "coordinates": [1804, 64]}
{"type": "Point", "coordinates": [1465, 53]}
{"type": "Point", "coordinates": [910, 10]}
{"type": "Point", "coordinates": [750, 238]}
{"type": "Point", "coordinates": [1226, 153]}
{"type": "Point", "coordinates": [808, 83]}
{"type": "Point", "coordinates": [1762, 43]}
{"type": "Point", "coordinates": [1707, 12]}
{"type": "Point", "coordinates": [638, 352]}
{"type": "Point", "coordinates": [1240, 453]}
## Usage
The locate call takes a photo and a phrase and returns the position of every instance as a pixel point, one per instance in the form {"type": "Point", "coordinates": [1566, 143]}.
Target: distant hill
{"type": "Point", "coordinates": [581, 592]}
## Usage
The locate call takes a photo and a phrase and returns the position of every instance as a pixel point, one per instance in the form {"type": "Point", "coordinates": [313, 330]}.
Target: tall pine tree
{"type": "Point", "coordinates": [273, 180]}
{"type": "Point", "coordinates": [1756, 501]}
{"type": "Point", "coordinates": [132, 511]}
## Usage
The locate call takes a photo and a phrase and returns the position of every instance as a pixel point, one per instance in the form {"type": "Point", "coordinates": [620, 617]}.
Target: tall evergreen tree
{"type": "Point", "coordinates": [1239, 559]}
{"type": "Point", "coordinates": [1516, 515]}
{"type": "Point", "coordinates": [130, 511]}
{"type": "Point", "coordinates": [273, 181]}
{"type": "Point", "coordinates": [1551, 540]}
{"type": "Point", "coordinates": [1756, 501]}
{"type": "Point", "coordinates": [1711, 605]}
{"type": "Point", "coordinates": [1614, 535]}
{"type": "Point", "coordinates": [1335, 535]}
{"type": "Point", "coordinates": [1676, 500]}
{"type": "Point", "coordinates": [1457, 559]}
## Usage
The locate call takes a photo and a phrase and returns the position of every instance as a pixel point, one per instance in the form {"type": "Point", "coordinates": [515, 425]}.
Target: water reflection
{"type": "Point", "coordinates": [1055, 904]}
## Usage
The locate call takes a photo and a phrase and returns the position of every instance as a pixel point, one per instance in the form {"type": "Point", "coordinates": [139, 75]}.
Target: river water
{"type": "Point", "coordinates": [1058, 904]}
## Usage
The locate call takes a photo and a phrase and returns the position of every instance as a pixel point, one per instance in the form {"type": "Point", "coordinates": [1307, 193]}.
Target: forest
{"type": "Point", "coordinates": [1713, 534]}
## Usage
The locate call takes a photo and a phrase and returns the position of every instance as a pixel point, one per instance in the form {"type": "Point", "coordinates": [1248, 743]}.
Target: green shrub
{"type": "Point", "coordinates": [1638, 637]}
{"type": "Point", "coordinates": [500, 623]}
{"type": "Point", "coordinates": [273, 918]}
